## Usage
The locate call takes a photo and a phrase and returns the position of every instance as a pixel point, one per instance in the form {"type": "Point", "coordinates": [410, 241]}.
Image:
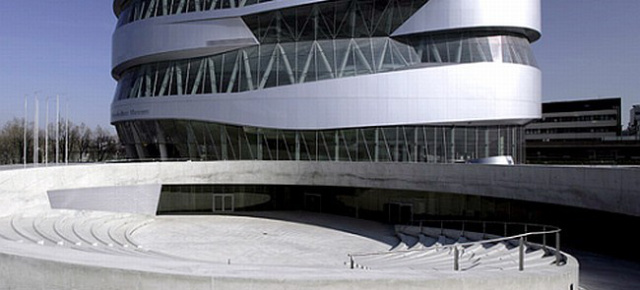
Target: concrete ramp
{"type": "Point", "coordinates": [138, 199]}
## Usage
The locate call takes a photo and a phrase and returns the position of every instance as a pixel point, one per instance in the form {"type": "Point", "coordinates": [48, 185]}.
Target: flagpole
{"type": "Point", "coordinates": [24, 128]}
{"type": "Point", "coordinates": [66, 128]}
{"type": "Point", "coordinates": [57, 129]}
{"type": "Point", "coordinates": [36, 138]}
{"type": "Point", "coordinates": [46, 132]}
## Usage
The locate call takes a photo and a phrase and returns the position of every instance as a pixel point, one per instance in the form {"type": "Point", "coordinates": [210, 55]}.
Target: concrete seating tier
{"type": "Point", "coordinates": [86, 231]}
{"type": "Point", "coordinates": [434, 249]}
{"type": "Point", "coordinates": [424, 248]}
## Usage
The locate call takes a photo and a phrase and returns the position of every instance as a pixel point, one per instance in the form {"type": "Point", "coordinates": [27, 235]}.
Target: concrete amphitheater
{"type": "Point", "coordinates": [95, 227]}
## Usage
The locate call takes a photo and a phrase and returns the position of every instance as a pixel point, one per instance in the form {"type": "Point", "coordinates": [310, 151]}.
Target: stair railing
{"type": "Point", "coordinates": [522, 238]}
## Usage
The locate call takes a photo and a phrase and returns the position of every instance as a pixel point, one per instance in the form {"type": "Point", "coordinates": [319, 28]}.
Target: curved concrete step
{"type": "Point", "coordinates": [6, 231]}
{"type": "Point", "coordinates": [43, 225]}
{"type": "Point", "coordinates": [23, 226]}
{"type": "Point", "coordinates": [85, 231]}
{"type": "Point", "coordinates": [494, 256]}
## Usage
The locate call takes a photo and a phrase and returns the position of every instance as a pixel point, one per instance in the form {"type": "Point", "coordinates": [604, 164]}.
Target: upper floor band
{"type": "Point", "coordinates": [324, 65]}
{"type": "Point", "coordinates": [273, 65]}
{"type": "Point", "coordinates": [179, 30]}
{"type": "Point", "coordinates": [143, 9]}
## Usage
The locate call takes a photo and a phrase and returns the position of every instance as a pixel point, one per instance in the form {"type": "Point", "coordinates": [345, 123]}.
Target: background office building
{"type": "Point", "coordinates": [345, 80]}
{"type": "Point", "coordinates": [571, 121]}
{"type": "Point", "coordinates": [581, 132]}
{"type": "Point", "coordinates": [634, 121]}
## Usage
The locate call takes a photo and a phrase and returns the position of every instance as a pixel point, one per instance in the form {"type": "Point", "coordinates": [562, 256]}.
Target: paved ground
{"type": "Point", "coordinates": [599, 272]}
{"type": "Point", "coordinates": [296, 247]}
{"type": "Point", "coordinates": [263, 240]}
{"type": "Point", "coordinates": [266, 241]}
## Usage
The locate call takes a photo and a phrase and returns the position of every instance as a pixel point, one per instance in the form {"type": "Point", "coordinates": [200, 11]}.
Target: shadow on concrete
{"type": "Point", "coordinates": [598, 271]}
{"type": "Point", "coordinates": [377, 231]}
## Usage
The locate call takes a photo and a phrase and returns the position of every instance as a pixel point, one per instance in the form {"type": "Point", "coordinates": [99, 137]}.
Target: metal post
{"type": "Point", "coordinates": [463, 224]}
{"type": "Point", "coordinates": [557, 248]}
{"type": "Point", "coordinates": [544, 237]}
{"type": "Point", "coordinates": [336, 149]}
{"type": "Point", "coordinates": [521, 254]}
{"type": "Point", "coordinates": [376, 151]}
{"type": "Point", "coordinates": [456, 262]}
{"type": "Point", "coordinates": [351, 262]}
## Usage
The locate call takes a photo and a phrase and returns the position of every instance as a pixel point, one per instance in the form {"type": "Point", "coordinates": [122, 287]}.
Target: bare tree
{"type": "Point", "coordinates": [85, 144]}
{"type": "Point", "coordinates": [11, 142]}
{"type": "Point", "coordinates": [105, 145]}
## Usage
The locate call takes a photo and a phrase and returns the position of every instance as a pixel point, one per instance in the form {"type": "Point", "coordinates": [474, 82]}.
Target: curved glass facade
{"type": "Point", "coordinates": [322, 41]}
{"type": "Point", "coordinates": [144, 9]}
{"type": "Point", "coordinates": [279, 64]}
{"type": "Point", "coordinates": [326, 40]}
{"type": "Point", "coordinates": [162, 139]}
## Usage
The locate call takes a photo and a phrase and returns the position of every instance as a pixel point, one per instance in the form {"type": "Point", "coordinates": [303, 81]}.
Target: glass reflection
{"type": "Point", "coordinates": [181, 139]}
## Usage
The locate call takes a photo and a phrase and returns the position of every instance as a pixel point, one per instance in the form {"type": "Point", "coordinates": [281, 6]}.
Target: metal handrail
{"type": "Point", "coordinates": [521, 237]}
{"type": "Point", "coordinates": [149, 160]}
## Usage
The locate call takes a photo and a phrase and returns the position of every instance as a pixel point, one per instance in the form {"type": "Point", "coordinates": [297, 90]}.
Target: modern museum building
{"type": "Point", "coordinates": [312, 144]}
{"type": "Point", "coordinates": [436, 81]}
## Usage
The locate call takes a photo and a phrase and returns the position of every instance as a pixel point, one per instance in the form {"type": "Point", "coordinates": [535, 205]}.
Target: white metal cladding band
{"type": "Point", "coordinates": [439, 15]}
{"type": "Point", "coordinates": [462, 94]}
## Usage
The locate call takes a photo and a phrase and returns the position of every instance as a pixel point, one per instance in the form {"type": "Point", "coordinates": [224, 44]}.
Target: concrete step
{"type": "Point", "coordinates": [493, 256]}
{"type": "Point", "coordinates": [23, 226]}
{"type": "Point", "coordinates": [409, 240]}
{"type": "Point", "coordinates": [6, 231]}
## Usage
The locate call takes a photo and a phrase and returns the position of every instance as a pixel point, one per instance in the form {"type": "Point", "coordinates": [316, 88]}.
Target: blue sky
{"type": "Point", "coordinates": [589, 49]}
{"type": "Point", "coordinates": [57, 48]}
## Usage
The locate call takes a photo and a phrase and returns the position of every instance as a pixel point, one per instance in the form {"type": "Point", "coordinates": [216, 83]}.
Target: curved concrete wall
{"type": "Point", "coordinates": [32, 266]}
{"type": "Point", "coordinates": [613, 189]}
{"type": "Point", "coordinates": [37, 268]}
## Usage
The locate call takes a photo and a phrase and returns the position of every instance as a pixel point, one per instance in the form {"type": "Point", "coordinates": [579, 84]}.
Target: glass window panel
{"type": "Point", "coordinates": [208, 141]}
